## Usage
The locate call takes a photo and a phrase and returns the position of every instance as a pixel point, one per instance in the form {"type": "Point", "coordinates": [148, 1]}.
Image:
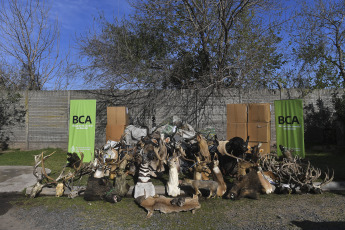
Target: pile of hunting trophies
{"type": "Point", "coordinates": [195, 166]}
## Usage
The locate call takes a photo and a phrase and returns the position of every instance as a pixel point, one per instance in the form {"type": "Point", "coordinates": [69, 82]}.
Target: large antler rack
{"type": "Point", "coordinates": [37, 188]}
{"type": "Point", "coordinates": [295, 172]}
{"type": "Point", "coordinates": [79, 169]}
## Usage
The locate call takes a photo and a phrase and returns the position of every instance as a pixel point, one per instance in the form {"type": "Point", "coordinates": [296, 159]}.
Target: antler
{"type": "Point", "coordinates": [327, 180]}
{"type": "Point", "coordinates": [296, 173]}
{"type": "Point", "coordinates": [44, 169]}
{"type": "Point", "coordinates": [156, 150]}
{"type": "Point", "coordinates": [37, 188]}
{"type": "Point", "coordinates": [183, 153]}
{"type": "Point", "coordinates": [233, 156]}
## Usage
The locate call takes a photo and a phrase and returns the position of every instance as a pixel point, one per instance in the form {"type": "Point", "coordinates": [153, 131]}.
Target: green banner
{"type": "Point", "coordinates": [82, 125]}
{"type": "Point", "coordinates": [290, 126]}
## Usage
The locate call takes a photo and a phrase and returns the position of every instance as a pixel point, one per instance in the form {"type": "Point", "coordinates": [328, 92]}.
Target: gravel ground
{"type": "Point", "coordinates": [326, 211]}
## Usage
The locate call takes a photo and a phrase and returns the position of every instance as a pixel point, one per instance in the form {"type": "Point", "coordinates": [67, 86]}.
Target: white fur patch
{"type": "Point", "coordinates": [216, 170]}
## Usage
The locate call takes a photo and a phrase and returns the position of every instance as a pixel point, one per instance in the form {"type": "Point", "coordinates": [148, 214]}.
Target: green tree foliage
{"type": "Point", "coordinates": [339, 106]}
{"type": "Point", "coordinates": [319, 124]}
{"type": "Point", "coordinates": [10, 114]}
{"type": "Point", "coordinates": [185, 44]}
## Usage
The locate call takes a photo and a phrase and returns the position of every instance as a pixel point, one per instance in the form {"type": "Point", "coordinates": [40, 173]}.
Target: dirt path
{"type": "Point", "coordinates": [8, 218]}
{"type": "Point", "coordinates": [326, 211]}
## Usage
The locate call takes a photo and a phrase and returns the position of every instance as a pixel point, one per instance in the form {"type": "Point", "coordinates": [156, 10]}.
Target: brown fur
{"type": "Point", "coordinates": [250, 186]}
{"type": "Point", "coordinates": [164, 204]}
{"type": "Point", "coordinates": [155, 146]}
{"type": "Point", "coordinates": [271, 175]}
{"type": "Point", "coordinates": [243, 167]}
{"type": "Point", "coordinates": [217, 176]}
{"type": "Point", "coordinates": [201, 170]}
{"type": "Point", "coordinates": [204, 152]}
{"type": "Point", "coordinates": [266, 186]}
{"type": "Point", "coordinates": [204, 184]}
{"type": "Point", "coordinates": [256, 152]}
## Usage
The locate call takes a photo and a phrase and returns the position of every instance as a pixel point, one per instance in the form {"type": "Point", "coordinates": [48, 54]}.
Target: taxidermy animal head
{"type": "Point", "coordinates": [237, 146]}
{"type": "Point", "coordinates": [250, 185]}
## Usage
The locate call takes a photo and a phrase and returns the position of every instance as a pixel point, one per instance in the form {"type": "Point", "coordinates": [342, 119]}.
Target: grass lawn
{"type": "Point", "coordinates": [321, 159]}
{"type": "Point", "coordinates": [26, 158]}
{"type": "Point", "coordinates": [268, 212]}
{"type": "Point", "coordinates": [214, 214]}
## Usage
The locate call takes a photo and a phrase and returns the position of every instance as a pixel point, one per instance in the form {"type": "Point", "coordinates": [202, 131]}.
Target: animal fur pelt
{"type": "Point", "coordinates": [250, 185]}
{"type": "Point", "coordinates": [235, 146]}
{"type": "Point", "coordinates": [204, 152]}
{"type": "Point", "coordinates": [178, 201]}
{"type": "Point", "coordinates": [121, 185]}
{"type": "Point", "coordinates": [202, 184]}
{"type": "Point", "coordinates": [167, 205]}
{"type": "Point", "coordinates": [201, 170]}
{"type": "Point", "coordinates": [96, 188]}
{"type": "Point", "coordinates": [73, 160]}
{"type": "Point", "coordinates": [286, 153]}
{"type": "Point", "coordinates": [102, 189]}
{"type": "Point", "coordinates": [111, 197]}
{"type": "Point", "coordinates": [217, 176]}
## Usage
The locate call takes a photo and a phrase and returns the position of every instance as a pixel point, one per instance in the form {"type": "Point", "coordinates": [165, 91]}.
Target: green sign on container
{"type": "Point", "coordinates": [82, 125]}
{"type": "Point", "coordinates": [290, 126]}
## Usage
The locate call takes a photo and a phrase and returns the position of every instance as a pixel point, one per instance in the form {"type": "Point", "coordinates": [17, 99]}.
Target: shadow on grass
{"type": "Point", "coordinates": [328, 161]}
{"type": "Point", "coordinates": [306, 225]}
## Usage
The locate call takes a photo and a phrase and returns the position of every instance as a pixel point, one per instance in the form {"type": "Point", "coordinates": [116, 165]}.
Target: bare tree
{"type": "Point", "coordinates": [186, 44]}
{"type": "Point", "coordinates": [319, 43]}
{"type": "Point", "coordinates": [29, 45]}
{"type": "Point", "coordinates": [192, 49]}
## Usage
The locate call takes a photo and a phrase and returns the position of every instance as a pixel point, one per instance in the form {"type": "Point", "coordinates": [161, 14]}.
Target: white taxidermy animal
{"type": "Point", "coordinates": [217, 176]}
{"type": "Point", "coordinates": [173, 183]}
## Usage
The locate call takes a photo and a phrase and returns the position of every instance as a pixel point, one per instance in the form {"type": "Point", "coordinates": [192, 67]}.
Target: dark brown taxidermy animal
{"type": "Point", "coordinates": [227, 150]}
{"type": "Point", "coordinates": [96, 188]}
{"type": "Point", "coordinates": [250, 185]}
{"type": "Point", "coordinates": [73, 160]}
{"type": "Point", "coordinates": [286, 153]}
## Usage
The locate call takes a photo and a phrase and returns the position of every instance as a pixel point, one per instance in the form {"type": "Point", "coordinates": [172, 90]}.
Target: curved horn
{"type": "Point", "coordinates": [230, 155]}
{"type": "Point", "coordinates": [81, 161]}
{"type": "Point", "coordinates": [44, 169]}
{"type": "Point", "coordinates": [183, 154]}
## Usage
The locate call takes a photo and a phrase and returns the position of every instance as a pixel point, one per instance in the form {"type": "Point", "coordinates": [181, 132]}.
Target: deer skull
{"type": "Point", "coordinates": [59, 189]}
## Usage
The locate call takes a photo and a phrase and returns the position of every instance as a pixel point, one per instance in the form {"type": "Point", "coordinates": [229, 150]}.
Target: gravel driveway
{"type": "Point", "coordinates": [325, 211]}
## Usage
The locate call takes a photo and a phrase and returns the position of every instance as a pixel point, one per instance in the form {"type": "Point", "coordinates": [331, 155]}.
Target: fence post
{"type": "Point", "coordinates": [27, 119]}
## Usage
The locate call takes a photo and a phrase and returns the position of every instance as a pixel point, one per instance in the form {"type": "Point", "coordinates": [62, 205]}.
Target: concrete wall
{"type": "Point", "coordinates": [46, 120]}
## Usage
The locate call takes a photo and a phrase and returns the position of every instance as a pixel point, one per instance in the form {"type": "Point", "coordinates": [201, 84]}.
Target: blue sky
{"type": "Point", "coordinates": [76, 17]}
